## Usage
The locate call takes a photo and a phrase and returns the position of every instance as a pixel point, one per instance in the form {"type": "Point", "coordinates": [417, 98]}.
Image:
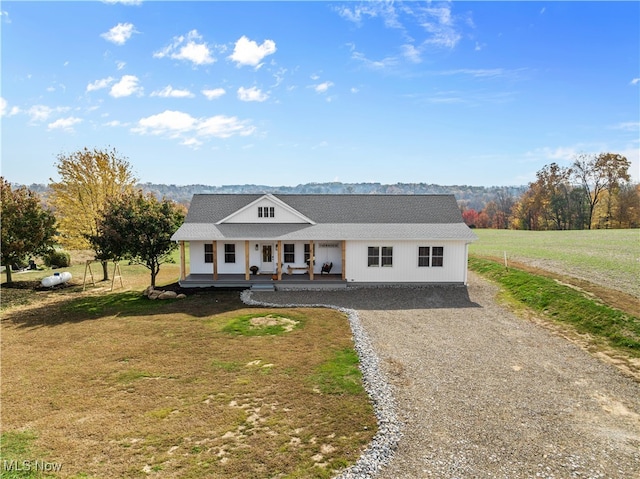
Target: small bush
{"type": "Point", "coordinates": [58, 259]}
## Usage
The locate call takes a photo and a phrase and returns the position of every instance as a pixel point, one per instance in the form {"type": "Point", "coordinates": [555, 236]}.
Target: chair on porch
{"type": "Point", "coordinates": [326, 268]}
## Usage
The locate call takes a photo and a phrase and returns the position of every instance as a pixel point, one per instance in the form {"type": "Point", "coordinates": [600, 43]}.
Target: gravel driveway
{"type": "Point", "coordinates": [484, 394]}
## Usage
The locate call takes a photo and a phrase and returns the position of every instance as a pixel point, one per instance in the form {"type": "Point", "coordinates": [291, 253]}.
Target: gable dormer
{"type": "Point", "coordinates": [266, 209]}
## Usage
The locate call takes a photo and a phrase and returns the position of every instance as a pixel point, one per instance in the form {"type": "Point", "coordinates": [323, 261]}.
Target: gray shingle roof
{"type": "Point", "coordinates": [337, 217]}
{"type": "Point", "coordinates": [346, 209]}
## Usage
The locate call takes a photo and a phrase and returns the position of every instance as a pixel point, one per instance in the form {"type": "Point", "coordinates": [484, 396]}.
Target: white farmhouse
{"type": "Point", "coordinates": [323, 240]}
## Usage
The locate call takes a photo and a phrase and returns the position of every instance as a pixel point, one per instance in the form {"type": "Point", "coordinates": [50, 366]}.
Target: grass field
{"type": "Point", "coordinates": [565, 304]}
{"type": "Point", "coordinates": [115, 385]}
{"type": "Point", "coordinates": [610, 258]}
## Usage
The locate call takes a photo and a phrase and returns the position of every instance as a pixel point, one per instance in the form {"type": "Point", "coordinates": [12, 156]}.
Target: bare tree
{"type": "Point", "coordinates": [599, 173]}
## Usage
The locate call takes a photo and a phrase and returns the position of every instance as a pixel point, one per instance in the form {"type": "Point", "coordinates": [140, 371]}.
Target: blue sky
{"type": "Point", "coordinates": [282, 93]}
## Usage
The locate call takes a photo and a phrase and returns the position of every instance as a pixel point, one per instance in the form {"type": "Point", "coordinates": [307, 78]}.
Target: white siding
{"type": "Point", "coordinates": [198, 266]}
{"type": "Point", "coordinates": [328, 252]}
{"type": "Point", "coordinates": [196, 259]}
{"type": "Point", "coordinates": [323, 253]}
{"type": "Point", "coordinates": [250, 214]}
{"type": "Point", "coordinates": [405, 263]}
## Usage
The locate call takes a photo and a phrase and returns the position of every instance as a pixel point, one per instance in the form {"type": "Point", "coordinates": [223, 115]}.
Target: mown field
{"type": "Point", "coordinates": [111, 384]}
{"type": "Point", "coordinates": [609, 258]}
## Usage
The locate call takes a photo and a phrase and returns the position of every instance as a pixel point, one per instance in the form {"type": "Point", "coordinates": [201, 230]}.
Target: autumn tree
{"type": "Point", "coordinates": [138, 227]}
{"type": "Point", "coordinates": [89, 180]}
{"type": "Point", "coordinates": [470, 217]}
{"type": "Point", "coordinates": [597, 174]}
{"type": "Point", "coordinates": [626, 210]}
{"type": "Point", "coordinates": [504, 205]}
{"type": "Point", "coordinates": [27, 228]}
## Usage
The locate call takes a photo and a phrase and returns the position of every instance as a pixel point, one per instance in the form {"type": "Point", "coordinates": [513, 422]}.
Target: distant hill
{"type": "Point", "coordinates": [475, 197]}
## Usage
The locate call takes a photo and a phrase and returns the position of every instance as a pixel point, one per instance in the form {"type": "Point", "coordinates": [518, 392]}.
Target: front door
{"type": "Point", "coordinates": [267, 258]}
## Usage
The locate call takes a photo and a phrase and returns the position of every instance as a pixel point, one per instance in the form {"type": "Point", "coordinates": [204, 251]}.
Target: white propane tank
{"type": "Point", "coordinates": [55, 279]}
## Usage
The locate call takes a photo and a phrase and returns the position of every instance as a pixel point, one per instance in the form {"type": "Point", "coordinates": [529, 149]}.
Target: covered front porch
{"type": "Point", "coordinates": [283, 264]}
{"type": "Point", "coordinates": [264, 281]}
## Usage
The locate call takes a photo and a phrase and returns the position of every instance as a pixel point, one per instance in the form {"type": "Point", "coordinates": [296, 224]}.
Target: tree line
{"type": "Point", "coordinates": [98, 204]}
{"type": "Point", "coordinates": [594, 192]}
{"type": "Point", "coordinates": [94, 205]}
{"type": "Point", "coordinates": [476, 197]}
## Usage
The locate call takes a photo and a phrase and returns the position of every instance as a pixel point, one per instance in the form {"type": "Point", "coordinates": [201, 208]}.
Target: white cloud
{"type": "Point", "coordinates": [5, 16]}
{"type": "Point", "coordinates": [39, 113]}
{"type": "Point", "coordinates": [168, 122]}
{"type": "Point", "coordinates": [439, 22]}
{"type": "Point", "coordinates": [120, 33]}
{"type": "Point", "coordinates": [635, 81]}
{"type": "Point", "coordinates": [176, 124]}
{"type": "Point", "coordinates": [373, 64]}
{"type": "Point", "coordinates": [189, 48]}
{"type": "Point", "coordinates": [127, 86]}
{"type": "Point", "coordinates": [323, 87]}
{"type": "Point", "coordinates": [559, 154]}
{"type": "Point", "coordinates": [114, 123]}
{"type": "Point", "coordinates": [221, 126]}
{"type": "Point", "coordinates": [192, 143]}
{"type": "Point", "coordinates": [64, 123]}
{"type": "Point", "coordinates": [214, 93]}
{"type": "Point", "coordinates": [248, 52]}
{"type": "Point", "coordinates": [170, 92]}
{"type": "Point", "coordinates": [251, 94]}
{"type": "Point", "coordinates": [411, 53]}
{"type": "Point", "coordinates": [99, 84]}
{"type": "Point", "coordinates": [384, 10]}
{"type": "Point", "coordinates": [279, 77]}
{"type": "Point", "coordinates": [120, 65]}
{"type": "Point", "coordinates": [435, 18]}
{"type": "Point", "coordinates": [3, 106]}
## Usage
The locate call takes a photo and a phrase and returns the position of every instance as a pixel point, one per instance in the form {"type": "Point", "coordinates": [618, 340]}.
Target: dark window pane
{"type": "Point", "coordinates": [208, 253]}
{"type": "Point", "coordinates": [437, 258]}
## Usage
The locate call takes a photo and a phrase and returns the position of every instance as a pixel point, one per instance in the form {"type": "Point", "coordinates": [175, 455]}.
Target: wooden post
{"type": "Point", "coordinates": [279, 267]}
{"type": "Point", "coordinates": [215, 261]}
{"type": "Point", "coordinates": [344, 260]}
{"type": "Point", "coordinates": [312, 259]}
{"type": "Point", "coordinates": [183, 273]}
{"type": "Point", "coordinates": [116, 274]}
{"type": "Point", "coordinates": [246, 260]}
{"type": "Point", "coordinates": [87, 267]}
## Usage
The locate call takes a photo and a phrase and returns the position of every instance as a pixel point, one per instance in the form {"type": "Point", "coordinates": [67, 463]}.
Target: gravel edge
{"type": "Point", "coordinates": [384, 443]}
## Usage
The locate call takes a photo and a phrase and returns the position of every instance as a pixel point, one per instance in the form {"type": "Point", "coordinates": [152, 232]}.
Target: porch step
{"type": "Point", "coordinates": [263, 287]}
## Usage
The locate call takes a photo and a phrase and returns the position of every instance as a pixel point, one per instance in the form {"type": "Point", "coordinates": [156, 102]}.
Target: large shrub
{"type": "Point", "coordinates": [58, 259]}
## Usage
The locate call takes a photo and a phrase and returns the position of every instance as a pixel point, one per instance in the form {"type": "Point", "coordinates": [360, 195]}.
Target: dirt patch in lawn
{"type": "Point", "coordinates": [287, 324]}
{"type": "Point", "coordinates": [115, 385]}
